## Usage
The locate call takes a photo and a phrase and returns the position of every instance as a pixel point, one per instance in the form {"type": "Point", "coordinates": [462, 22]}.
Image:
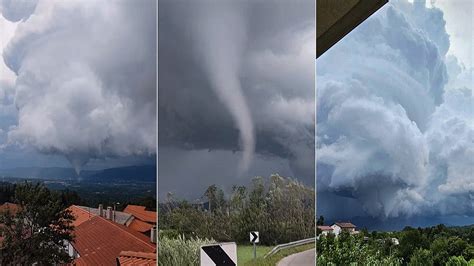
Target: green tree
{"type": "Point", "coordinates": [456, 261]}
{"type": "Point", "coordinates": [468, 253]}
{"type": "Point", "coordinates": [439, 248]}
{"type": "Point", "coordinates": [7, 191]}
{"type": "Point", "coordinates": [282, 210]}
{"type": "Point", "coordinates": [410, 240]}
{"type": "Point", "coordinates": [350, 250]}
{"type": "Point", "coordinates": [38, 231]}
{"type": "Point", "coordinates": [70, 197]}
{"type": "Point", "coordinates": [421, 257]}
{"type": "Point", "coordinates": [215, 197]}
{"type": "Point", "coordinates": [456, 246]}
{"type": "Point", "coordinates": [320, 220]}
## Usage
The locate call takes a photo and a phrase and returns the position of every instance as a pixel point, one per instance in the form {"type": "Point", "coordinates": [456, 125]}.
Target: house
{"type": "Point", "coordinates": [119, 217]}
{"type": "Point", "coordinates": [141, 213]}
{"type": "Point", "coordinates": [134, 216]}
{"type": "Point", "coordinates": [101, 241]}
{"type": "Point", "coordinates": [136, 258]}
{"type": "Point", "coordinates": [9, 207]}
{"type": "Point", "coordinates": [144, 221]}
{"type": "Point", "coordinates": [325, 229]}
{"type": "Point", "coordinates": [395, 241]}
{"type": "Point", "coordinates": [343, 226]}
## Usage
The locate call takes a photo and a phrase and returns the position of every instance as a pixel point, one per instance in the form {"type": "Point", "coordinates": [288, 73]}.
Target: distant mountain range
{"type": "Point", "coordinates": [143, 173]}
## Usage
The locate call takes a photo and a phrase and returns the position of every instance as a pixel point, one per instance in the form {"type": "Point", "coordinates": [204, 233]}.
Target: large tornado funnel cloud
{"type": "Point", "coordinates": [220, 34]}
{"type": "Point", "coordinates": [85, 93]}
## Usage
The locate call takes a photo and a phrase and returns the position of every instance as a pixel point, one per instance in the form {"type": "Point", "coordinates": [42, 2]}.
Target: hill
{"type": "Point", "coordinates": [142, 173]}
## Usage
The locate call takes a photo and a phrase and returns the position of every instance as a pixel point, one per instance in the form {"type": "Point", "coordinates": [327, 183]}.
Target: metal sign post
{"type": "Point", "coordinates": [254, 239]}
{"type": "Point", "coordinates": [254, 251]}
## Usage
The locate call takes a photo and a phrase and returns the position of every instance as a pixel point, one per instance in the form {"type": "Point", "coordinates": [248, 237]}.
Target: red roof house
{"type": "Point", "coordinates": [325, 228]}
{"type": "Point", "coordinates": [140, 213]}
{"type": "Point", "coordinates": [9, 207]}
{"type": "Point", "coordinates": [136, 258]}
{"type": "Point", "coordinates": [346, 225]}
{"type": "Point", "coordinates": [99, 241]}
{"type": "Point", "coordinates": [140, 226]}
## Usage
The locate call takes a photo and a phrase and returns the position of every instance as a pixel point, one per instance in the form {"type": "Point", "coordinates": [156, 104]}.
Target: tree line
{"type": "Point", "coordinates": [71, 197]}
{"type": "Point", "coordinates": [281, 209]}
{"type": "Point", "coordinates": [437, 245]}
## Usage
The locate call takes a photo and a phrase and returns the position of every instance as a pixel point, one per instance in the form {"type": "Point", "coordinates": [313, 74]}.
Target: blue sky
{"type": "Point", "coordinates": [395, 121]}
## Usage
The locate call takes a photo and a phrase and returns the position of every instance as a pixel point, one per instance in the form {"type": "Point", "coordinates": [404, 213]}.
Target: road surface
{"type": "Point", "coordinates": [305, 258]}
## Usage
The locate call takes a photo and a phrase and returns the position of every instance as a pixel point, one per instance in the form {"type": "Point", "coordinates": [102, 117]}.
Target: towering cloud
{"type": "Point", "coordinates": [86, 75]}
{"type": "Point", "coordinates": [395, 117]}
{"type": "Point", "coordinates": [16, 10]}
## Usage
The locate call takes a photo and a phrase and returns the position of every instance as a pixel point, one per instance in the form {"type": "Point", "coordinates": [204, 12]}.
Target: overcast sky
{"type": "Point", "coordinates": [395, 116]}
{"type": "Point", "coordinates": [77, 83]}
{"type": "Point", "coordinates": [236, 93]}
{"type": "Point", "coordinates": [395, 135]}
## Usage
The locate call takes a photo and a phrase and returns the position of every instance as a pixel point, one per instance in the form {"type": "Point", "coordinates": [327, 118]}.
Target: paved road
{"type": "Point", "coordinates": [305, 258]}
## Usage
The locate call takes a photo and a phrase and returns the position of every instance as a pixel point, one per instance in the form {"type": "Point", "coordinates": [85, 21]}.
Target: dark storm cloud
{"type": "Point", "coordinates": [85, 77]}
{"type": "Point", "coordinates": [395, 119]}
{"type": "Point", "coordinates": [269, 46]}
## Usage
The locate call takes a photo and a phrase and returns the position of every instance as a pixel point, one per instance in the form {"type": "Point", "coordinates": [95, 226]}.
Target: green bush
{"type": "Point", "coordinates": [421, 257]}
{"type": "Point", "coordinates": [456, 261]}
{"type": "Point", "coordinates": [281, 209]}
{"type": "Point", "coordinates": [180, 251]}
{"type": "Point", "coordinates": [169, 233]}
{"type": "Point", "coordinates": [350, 250]}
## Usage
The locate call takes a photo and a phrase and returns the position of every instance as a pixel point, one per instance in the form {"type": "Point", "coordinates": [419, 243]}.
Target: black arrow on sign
{"type": "Point", "coordinates": [255, 236]}
{"type": "Point", "coordinates": [218, 256]}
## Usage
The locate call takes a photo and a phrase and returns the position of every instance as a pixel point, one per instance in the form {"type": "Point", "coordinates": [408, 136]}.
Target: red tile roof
{"type": "Point", "coordinates": [11, 207]}
{"type": "Point", "coordinates": [137, 258]}
{"type": "Point", "coordinates": [325, 228]}
{"type": "Point", "coordinates": [80, 214]}
{"type": "Point", "coordinates": [140, 226]}
{"type": "Point", "coordinates": [140, 213]}
{"type": "Point", "coordinates": [99, 241]}
{"type": "Point", "coordinates": [346, 225]}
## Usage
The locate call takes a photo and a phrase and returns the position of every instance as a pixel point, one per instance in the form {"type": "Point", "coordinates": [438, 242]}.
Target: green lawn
{"type": "Point", "coordinates": [245, 253]}
{"type": "Point", "coordinates": [274, 259]}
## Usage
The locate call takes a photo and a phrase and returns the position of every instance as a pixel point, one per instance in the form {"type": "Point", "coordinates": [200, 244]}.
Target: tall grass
{"type": "Point", "coordinates": [180, 251]}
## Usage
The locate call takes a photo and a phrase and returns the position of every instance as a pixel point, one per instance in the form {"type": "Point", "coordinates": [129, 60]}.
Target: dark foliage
{"type": "Point", "coordinates": [37, 232]}
{"type": "Point", "coordinates": [437, 245]}
{"type": "Point", "coordinates": [282, 210]}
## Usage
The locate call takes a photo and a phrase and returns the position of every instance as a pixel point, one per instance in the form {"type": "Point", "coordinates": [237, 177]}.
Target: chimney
{"type": "Point", "coordinates": [101, 210]}
{"type": "Point", "coordinates": [153, 234]}
{"type": "Point", "coordinates": [109, 213]}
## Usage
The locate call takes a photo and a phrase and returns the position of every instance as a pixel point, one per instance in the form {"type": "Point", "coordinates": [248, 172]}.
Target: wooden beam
{"type": "Point", "coordinates": [336, 18]}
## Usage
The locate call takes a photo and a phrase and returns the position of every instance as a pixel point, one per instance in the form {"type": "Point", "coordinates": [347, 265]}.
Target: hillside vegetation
{"type": "Point", "coordinates": [438, 245]}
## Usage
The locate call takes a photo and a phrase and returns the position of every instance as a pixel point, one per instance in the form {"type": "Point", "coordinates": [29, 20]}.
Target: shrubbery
{"type": "Point", "coordinates": [350, 250]}
{"type": "Point", "coordinates": [438, 245]}
{"type": "Point", "coordinates": [282, 210]}
{"type": "Point", "coordinates": [180, 250]}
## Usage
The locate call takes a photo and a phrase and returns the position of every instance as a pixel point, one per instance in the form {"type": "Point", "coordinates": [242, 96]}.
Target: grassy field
{"type": "Point", "coordinates": [270, 261]}
{"type": "Point", "coordinates": [245, 253]}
